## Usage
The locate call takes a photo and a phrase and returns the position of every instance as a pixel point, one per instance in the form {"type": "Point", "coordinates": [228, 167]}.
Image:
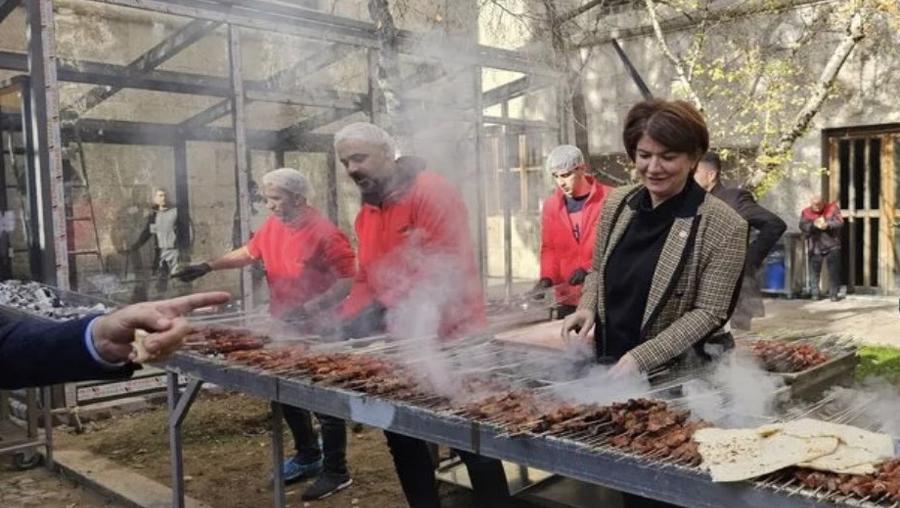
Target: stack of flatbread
{"type": "Point", "coordinates": [740, 454]}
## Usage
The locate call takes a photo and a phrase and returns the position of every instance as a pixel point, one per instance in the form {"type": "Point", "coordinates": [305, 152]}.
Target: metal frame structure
{"type": "Point", "coordinates": [606, 467]}
{"type": "Point", "coordinates": [205, 17]}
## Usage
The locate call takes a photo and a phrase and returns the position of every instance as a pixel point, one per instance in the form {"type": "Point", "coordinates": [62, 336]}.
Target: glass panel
{"type": "Point", "coordinates": [125, 143]}
{"type": "Point", "coordinates": [14, 202]}
{"type": "Point", "coordinates": [12, 32]}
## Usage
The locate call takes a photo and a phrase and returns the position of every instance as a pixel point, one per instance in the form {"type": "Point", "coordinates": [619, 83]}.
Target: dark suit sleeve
{"type": "Point", "coordinates": [37, 353]}
{"type": "Point", "coordinates": [769, 226]}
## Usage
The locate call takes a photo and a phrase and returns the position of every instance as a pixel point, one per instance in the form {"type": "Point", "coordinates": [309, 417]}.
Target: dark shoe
{"type": "Point", "coordinates": [325, 485]}
{"type": "Point", "coordinates": [293, 470]}
{"type": "Point", "coordinates": [836, 298]}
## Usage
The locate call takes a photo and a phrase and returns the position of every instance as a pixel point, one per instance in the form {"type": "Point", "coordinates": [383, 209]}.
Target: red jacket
{"type": "Point", "coordinates": [821, 241]}
{"type": "Point", "coordinates": [561, 253]}
{"type": "Point", "coordinates": [302, 259]}
{"type": "Point", "coordinates": [416, 258]}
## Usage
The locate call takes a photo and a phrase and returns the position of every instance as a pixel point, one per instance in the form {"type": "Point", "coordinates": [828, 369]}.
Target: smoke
{"type": "Point", "coordinates": [598, 387]}
{"type": "Point", "coordinates": [436, 286]}
{"type": "Point", "coordinates": [873, 404]}
{"type": "Point", "coordinates": [737, 392]}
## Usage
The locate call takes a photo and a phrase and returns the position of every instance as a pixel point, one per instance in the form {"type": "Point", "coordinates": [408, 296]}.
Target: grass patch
{"type": "Point", "coordinates": [879, 362]}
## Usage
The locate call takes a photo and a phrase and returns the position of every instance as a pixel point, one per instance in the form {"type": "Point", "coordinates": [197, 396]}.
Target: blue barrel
{"type": "Point", "coordinates": [773, 273]}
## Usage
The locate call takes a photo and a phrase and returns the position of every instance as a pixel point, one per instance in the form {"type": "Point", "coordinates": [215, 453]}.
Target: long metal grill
{"type": "Point", "coordinates": [510, 394]}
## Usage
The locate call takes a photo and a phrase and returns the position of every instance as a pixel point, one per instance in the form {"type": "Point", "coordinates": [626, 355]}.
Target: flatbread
{"type": "Point", "coordinates": [875, 443]}
{"type": "Point", "coordinates": [858, 451]}
{"type": "Point", "coordinates": [733, 455]}
{"type": "Point", "coordinates": [140, 353]}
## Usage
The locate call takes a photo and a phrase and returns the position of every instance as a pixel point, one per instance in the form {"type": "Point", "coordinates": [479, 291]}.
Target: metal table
{"type": "Point", "coordinates": [603, 466]}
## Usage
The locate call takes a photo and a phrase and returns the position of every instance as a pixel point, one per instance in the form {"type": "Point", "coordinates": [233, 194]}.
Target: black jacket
{"type": "Point", "coordinates": [34, 352]}
{"type": "Point", "coordinates": [769, 226]}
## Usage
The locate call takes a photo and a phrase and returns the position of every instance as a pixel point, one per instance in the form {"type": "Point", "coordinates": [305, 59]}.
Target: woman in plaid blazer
{"type": "Point", "coordinates": [668, 256]}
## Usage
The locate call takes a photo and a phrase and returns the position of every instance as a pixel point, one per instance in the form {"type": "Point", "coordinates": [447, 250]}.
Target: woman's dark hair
{"type": "Point", "coordinates": [677, 125]}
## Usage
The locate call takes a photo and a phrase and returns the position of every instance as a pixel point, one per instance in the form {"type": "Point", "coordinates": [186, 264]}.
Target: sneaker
{"type": "Point", "coordinates": [325, 485]}
{"type": "Point", "coordinates": [293, 470]}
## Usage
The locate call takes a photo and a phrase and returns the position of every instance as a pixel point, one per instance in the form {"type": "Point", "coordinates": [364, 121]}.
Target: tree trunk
{"type": "Point", "coordinates": [773, 158]}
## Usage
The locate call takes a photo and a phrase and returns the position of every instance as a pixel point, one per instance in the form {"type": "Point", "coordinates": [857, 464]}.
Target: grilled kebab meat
{"type": "Point", "coordinates": [884, 484]}
{"type": "Point", "coordinates": [221, 340]}
{"type": "Point", "coordinates": [786, 356]}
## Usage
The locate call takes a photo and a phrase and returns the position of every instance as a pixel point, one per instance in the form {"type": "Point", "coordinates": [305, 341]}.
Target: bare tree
{"type": "Point", "coordinates": [765, 83]}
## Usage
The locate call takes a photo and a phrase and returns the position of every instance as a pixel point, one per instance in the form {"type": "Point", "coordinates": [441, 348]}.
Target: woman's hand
{"type": "Point", "coordinates": [625, 367]}
{"type": "Point", "coordinates": [580, 322]}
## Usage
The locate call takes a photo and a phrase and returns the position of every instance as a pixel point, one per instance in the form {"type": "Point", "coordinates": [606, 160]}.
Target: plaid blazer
{"type": "Point", "coordinates": [695, 283]}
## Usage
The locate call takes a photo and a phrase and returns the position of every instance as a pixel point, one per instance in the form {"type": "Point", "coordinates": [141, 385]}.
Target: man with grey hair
{"type": "Point", "coordinates": [568, 223]}
{"type": "Point", "coordinates": [310, 267]}
{"type": "Point", "coordinates": [415, 252]}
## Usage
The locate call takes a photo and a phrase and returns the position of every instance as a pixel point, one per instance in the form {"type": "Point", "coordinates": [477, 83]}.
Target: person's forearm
{"type": "Point", "coordinates": [237, 258]}
{"type": "Point", "coordinates": [332, 296]}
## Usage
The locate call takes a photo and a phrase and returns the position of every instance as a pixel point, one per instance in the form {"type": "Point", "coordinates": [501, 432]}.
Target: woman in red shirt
{"type": "Point", "coordinates": [310, 267]}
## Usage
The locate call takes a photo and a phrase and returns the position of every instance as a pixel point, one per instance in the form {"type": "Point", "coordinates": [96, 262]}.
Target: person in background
{"type": "Point", "coordinates": [36, 353]}
{"type": "Point", "coordinates": [163, 225]}
{"type": "Point", "coordinates": [821, 223]}
{"type": "Point", "coordinates": [568, 226]}
{"type": "Point", "coordinates": [769, 228]}
{"type": "Point", "coordinates": [309, 267]}
{"type": "Point", "coordinates": [417, 278]}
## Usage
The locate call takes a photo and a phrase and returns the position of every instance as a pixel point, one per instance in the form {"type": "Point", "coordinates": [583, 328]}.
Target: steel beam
{"type": "Point", "coordinates": [332, 183]}
{"type": "Point", "coordinates": [314, 122]}
{"type": "Point", "coordinates": [180, 82]}
{"type": "Point", "coordinates": [145, 133]}
{"type": "Point", "coordinates": [326, 27]}
{"type": "Point", "coordinates": [155, 56]}
{"type": "Point", "coordinates": [481, 206]}
{"type": "Point", "coordinates": [303, 25]}
{"type": "Point", "coordinates": [307, 66]}
{"type": "Point", "coordinates": [6, 8]}
{"type": "Point", "coordinates": [208, 115]}
{"type": "Point", "coordinates": [241, 156]}
{"type": "Point", "coordinates": [632, 70]}
{"type": "Point", "coordinates": [182, 194]}
{"type": "Point", "coordinates": [179, 404]}
{"type": "Point", "coordinates": [513, 89]}
{"type": "Point", "coordinates": [51, 223]}
{"type": "Point", "coordinates": [278, 454]}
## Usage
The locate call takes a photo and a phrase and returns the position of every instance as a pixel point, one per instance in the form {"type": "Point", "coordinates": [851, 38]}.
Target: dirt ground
{"type": "Point", "coordinates": [227, 458]}
{"type": "Point", "coordinates": [41, 488]}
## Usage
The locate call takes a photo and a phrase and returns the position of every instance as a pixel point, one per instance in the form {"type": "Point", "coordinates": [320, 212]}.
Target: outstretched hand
{"type": "Point", "coordinates": [114, 333]}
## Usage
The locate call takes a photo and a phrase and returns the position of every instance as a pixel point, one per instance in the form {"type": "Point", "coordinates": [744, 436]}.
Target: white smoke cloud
{"type": "Point", "coordinates": [737, 392]}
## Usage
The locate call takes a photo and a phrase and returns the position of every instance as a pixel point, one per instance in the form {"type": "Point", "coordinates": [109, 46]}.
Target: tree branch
{"type": "Point", "coordinates": [854, 33]}
{"type": "Point", "coordinates": [676, 62]}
